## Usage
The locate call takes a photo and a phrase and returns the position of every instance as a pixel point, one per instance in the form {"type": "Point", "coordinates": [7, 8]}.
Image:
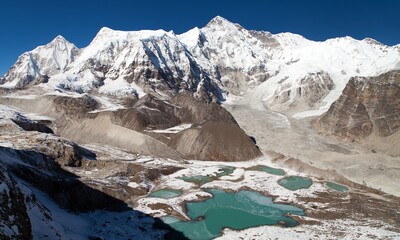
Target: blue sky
{"type": "Point", "coordinates": [26, 24]}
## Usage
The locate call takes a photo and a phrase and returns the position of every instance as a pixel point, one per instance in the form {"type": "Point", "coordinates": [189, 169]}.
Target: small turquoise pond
{"type": "Point", "coordinates": [295, 182]}
{"type": "Point", "coordinates": [275, 171]}
{"type": "Point", "coordinates": [201, 179]}
{"type": "Point", "coordinates": [166, 193]}
{"type": "Point", "coordinates": [337, 187]}
{"type": "Point", "coordinates": [237, 211]}
{"type": "Point", "coordinates": [225, 170]}
{"type": "Point", "coordinates": [197, 179]}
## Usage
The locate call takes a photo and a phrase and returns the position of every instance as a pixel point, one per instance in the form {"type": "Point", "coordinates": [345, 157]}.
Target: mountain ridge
{"type": "Point", "coordinates": [136, 113]}
{"type": "Point", "coordinates": [212, 62]}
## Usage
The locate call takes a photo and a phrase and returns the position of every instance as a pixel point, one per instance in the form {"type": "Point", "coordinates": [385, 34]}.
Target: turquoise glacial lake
{"type": "Point", "coordinates": [337, 187]}
{"type": "Point", "coordinates": [237, 211]}
{"type": "Point", "coordinates": [166, 193]}
{"type": "Point", "coordinates": [295, 182]}
{"type": "Point", "coordinates": [271, 170]}
{"type": "Point", "coordinates": [202, 179]}
{"type": "Point", "coordinates": [197, 179]}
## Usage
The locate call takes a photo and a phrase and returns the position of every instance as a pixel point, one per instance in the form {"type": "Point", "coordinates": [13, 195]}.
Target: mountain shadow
{"type": "Point", "coordinates": [62, 186]}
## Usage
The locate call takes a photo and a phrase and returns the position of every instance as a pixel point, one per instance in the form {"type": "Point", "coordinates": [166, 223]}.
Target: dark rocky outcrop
{"type": "Point", "coordinates": [14, 219]}
{"type": "Point", "coordinates": [29, 125]}
{"type": "Point", "coordinates": [55, 150]}
{"type": "Point", "coordinates": [367, 105]}
{"type": "Point", "coordinates": [311, 89]}
{"type": "Point", "coordinates": [74, 106]}
{"type": "Point", "coordinates": [147, 113]}
{"type": "Point", "coordinates": [197, 111]}
{"type": "Point", "coordinates": [215, 140]}
{"type": "Point", "coordinates": [215, 135]}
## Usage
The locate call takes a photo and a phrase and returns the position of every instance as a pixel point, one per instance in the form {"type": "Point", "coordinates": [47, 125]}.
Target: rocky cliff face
{"type": "Point", "coordinates": [311, 89]}
{"type": "Point", "coordinates": [35, 157]}
{"type": "Point", "coordinates": [14, 219]}
{"type": "Point", "coordinates": [368, 105]}
{"type": "Point", "coordinates": [225, 51]}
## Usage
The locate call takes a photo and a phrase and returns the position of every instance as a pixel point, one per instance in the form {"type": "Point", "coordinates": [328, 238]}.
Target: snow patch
{"type": "Point", "coordinates": [120, 87]}
{"type": "Point", "coordinates": [175, 129]}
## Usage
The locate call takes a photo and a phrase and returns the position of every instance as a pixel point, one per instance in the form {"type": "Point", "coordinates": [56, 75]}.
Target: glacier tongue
{"type": "Point", "coordinates": [220, 58]}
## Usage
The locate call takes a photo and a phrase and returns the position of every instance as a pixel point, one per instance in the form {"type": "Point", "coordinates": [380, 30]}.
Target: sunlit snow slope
{"type": "Point", "coordinates": [284, 71]}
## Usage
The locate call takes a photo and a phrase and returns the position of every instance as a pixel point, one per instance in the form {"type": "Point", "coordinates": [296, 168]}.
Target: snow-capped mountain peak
{"type": "Point", "coordinates": [219, 22]}
{"type": "Point", "coordinates": [60, 50]}
{"type": "Point", "coordinates": [280, 70]}
{"type": "Point", "coordinates": [105, 30]}
{"type": "Point", "coordinates": [373, 41]}
{"type": "Point", "coordinates": [108, 34]}
{"type": "Point", "coordinates": [291, 40]}
{"type": "Point", "coordinates": [59, 38]}
{"type": "Point", "coordinates": [41, 63]}
{"type": "Point", "coordinates": [192, 38]}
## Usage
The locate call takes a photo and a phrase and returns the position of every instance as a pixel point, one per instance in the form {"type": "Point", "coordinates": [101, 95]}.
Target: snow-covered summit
{"type": "Point", "coordinates": [218, 23]}
{"type": "Point", "coordinates": [41, 62]}
{"type": "Point", "coordinates": [221, 57]}
{"type": "Point", "coordinates": [192, 37]}
{"type": "Point", "coordinates": [108, 34]}
{"type": "Point", "coordinates": [291, 40]}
